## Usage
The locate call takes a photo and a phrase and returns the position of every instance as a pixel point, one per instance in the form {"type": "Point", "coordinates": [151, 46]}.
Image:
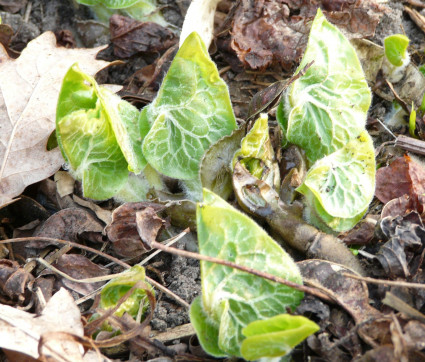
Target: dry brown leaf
{"type": "Point", "coordinates": [29, 88]}
{"type": "Point", "coordinates": [275, 31]}
{"type": "Point", "coordinates": [21, 331]}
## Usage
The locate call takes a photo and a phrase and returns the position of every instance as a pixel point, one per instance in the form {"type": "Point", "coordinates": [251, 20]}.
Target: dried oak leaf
{"type": "Point", "coordinates": [275, 31]}
{"type": "Point", "coordinates": [402, 177]}
{"type": "Point", "coordinates": [131, 36]}
{"type": "Point", "coordinates": [29, 88]}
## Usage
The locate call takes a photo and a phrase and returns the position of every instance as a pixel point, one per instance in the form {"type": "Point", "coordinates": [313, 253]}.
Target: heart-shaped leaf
{"type": "Point", "coordinates": [98, 134]}
{"type": "Point", "coordinates": [342, 184]}
{"type": "Point", "coordinates": [191, 111]}
{"type": "Point", "coordinates": [232, 299]}
{"type": "Point", "coordinates": [326, 107]}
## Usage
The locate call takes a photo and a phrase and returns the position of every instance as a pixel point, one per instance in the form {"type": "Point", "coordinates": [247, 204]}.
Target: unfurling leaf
{"type": "Point", "coordinates": [98, 134]}
{"type": "Point", "coordinates": [191, 111]}
{"type": "Point", "coordinates": [395, 47]}
{"type": "Point", "coordinates": [275, 336]}
{"type": "Point", "coordinates": [257, 155]}
{"type": "Point", "coordinates": [326, 107]}
{"type": "Point", "coordinates": [325, 114]}
{"type": "Point", "coordinates": [342, 184]}
{"type": "Point", "coordinates": [232, 299]}
{"type": "Point", "coordinates": [113, 291]}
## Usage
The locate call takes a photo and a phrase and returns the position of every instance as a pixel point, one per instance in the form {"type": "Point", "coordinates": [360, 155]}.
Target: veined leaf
{"type": "Point", "coordinates": [232, 299]}
{"type": "Point", "coordinates": [191, 111]}
{"type": "Point", "coordinates": [343, 183]}
{"type": "Point", "coordinates": [98, 134]}
{"type": "Point", "coordinates": [328, 105]}
{"type": "Point", "coordinates": [257, 154]}
{"type": "Point", "coordinates": [29, 88]}
{"type": "Point", "coordinates": [116, 288]}
{"type": "Point", "coordinates": [276, 336]}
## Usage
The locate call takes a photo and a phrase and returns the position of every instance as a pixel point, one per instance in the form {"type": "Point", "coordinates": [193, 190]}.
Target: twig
{"type": "Point", "coordinates": [396, 303]}
{"type": "Point", "coordinates": [171, 241]}
{"type": "Point", "coordinates": [385, 282]}
{"type": "Point", "coordinates": [106, 256]}
{"type": "Point", "coordinates": [410, 144]}
{"type": "Point", "coordinates": [245, 269]}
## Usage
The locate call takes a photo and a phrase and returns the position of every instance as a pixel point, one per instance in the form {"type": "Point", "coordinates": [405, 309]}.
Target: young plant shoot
{"type": "Point", "coordinates": [102, 137]}
{"type": "Point", "coordinates": [324, 112]}
{"type": "Point", "coordinates": [396, 57]}
{"type": "Point", "coordinates": [238, 311]}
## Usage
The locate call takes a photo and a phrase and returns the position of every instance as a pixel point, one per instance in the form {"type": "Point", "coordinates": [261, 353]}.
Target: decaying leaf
{"type": "Point", "coordinates": [122, 231]}
{"type": "Point", "coordinates": [405, 235]}
{"type": "Point", "coordinates": [130, 36]}
{"type": "Point", "coordinates": [273, 31]}
{"type": "Point", "coordinates": [29, 87]}
{"type": "Point", "coordinates": [350, 294]}
{"type": "Point", "coordinates": [78, 267]}
{"type": "Point", "coordinates": [66, 224]}
{"type": "Point", "coordinates": [21, 331]}
{"type": "Point", "coordinates": [14, 280]}
{"type": "Point", "coordinates": [403, 176]}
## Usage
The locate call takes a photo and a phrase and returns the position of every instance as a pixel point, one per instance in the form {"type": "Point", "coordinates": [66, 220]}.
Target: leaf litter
{"type": "Point", "coordinates": [393, 251]}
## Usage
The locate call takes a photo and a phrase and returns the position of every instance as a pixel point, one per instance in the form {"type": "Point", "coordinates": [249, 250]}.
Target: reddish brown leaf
{"type": "Point", "coordinates": [402, 177]}
{"type": "Point", "coordinates": [123, 231]}
{"type": "Point", "coordinates": [148, 225]}
{"type": "Point", "coordinates": [130, 36]}
{"type": "Point", "coordinates": [276, 31]}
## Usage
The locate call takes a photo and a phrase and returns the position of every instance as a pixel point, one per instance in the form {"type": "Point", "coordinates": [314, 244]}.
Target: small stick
{"type": "Point", "coordinates": [385, 282]}
{"type": "Point", "coordinates": [245, 269]}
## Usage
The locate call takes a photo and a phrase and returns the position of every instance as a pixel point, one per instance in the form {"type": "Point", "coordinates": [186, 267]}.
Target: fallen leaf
{"type": "Point", "coordinates": [66, 224]}
{"type": "Point", "coordinates": [122, 231]}
{"type": "Point", "coordinates": [350, 294]}
{"type": "Point", "coordinates": [148, 225]}
{"type": "Point", "coordinates": [405, 235]}
{"type": "Point", "coordinates": [21, 331]}
{"type": "Point", "coordinates": [29, 87]}
{"type": "Point", "coordinates": [79, 267]}
{"type": "Point", "coordinates": [14, 280]}
{"type": "Point", "coordinates": [268, 31]}
{"type": "Point", "coordinates": [403, 176]}
{"type": "Point", "coordinates": [131, 36]}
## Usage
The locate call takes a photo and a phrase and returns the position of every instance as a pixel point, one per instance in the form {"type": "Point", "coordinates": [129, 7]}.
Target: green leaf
{"type": "Point", "coordinates": [396, 48]}
{"type": "Point", "coordinates": [276, 336]}
{"type": "Point", "coordinates": [98, 134]}
{"type": "Point", "coordinates": [142, 10]}
{"type": "Point", "coordinates": [257, 154]}
{"type": "Point", "coordinates": [116, 288]}
{"type": "Point", "coordinates": [412, 121]}
{"type": "Point", "coordinates": [327, 106]}
{"type": "Point", "coordinates": [86, 138]}
{"type": "Point", "coordinates": [231, 299]}
{"type": "Point", "coordinates": [342, 184]}
{"type": "Point", "coordinates": [191, 112]}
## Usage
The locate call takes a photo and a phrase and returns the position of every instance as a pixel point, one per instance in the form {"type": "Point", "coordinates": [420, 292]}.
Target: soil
{"type": "Point", "coordinates": [181, 275]}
